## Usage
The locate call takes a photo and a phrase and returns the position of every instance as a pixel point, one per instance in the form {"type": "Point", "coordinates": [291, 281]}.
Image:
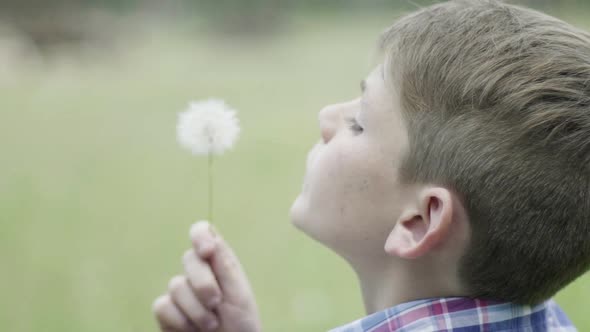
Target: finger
{"type": "Point", "coordinates": [185, 300]}
{"type": "Point", "coordinates": [201, 279]}
{"type": "Point", "coordinates": [203, 239]}
{"type": "Point", "coordinates": [169, 317]}
{"type": "Point", "coordinates": [226, 267]}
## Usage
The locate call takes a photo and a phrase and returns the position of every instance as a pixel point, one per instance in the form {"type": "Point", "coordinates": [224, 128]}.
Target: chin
{"type": "Point", "coordinates": [301, 218]}
{"type": "Point", "coordinates": [297, 212]}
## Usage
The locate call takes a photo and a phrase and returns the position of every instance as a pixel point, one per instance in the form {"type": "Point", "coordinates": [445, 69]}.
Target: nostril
{"type": "Point", "coordinates": [327, 120]}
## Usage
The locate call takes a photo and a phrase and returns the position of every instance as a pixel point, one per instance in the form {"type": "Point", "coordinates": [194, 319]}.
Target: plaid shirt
{"type": "Point", "coordinates": [460, 314]}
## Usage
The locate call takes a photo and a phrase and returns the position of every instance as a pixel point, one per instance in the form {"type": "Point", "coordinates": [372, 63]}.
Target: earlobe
{"type": "Point", "coordinates": [424, 226]}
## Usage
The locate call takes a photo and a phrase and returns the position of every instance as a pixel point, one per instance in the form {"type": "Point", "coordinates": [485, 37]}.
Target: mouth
{"type": "Point", "coordinates": [311, 159]}
{"type": "Point", "coordinates": [312, 155]}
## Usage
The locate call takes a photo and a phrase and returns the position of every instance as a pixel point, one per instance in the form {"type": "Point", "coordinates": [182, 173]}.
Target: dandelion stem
{"type": "Point", "coordinates": [210, 187]}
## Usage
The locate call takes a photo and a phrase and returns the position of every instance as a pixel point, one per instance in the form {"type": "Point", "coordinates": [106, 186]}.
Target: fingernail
{"type": "Point", "coordinates": [211, 324]}
{"type": "Point", "coordinates": [214, 302]}
{"type": "Point", "coordinates": [194, 230]}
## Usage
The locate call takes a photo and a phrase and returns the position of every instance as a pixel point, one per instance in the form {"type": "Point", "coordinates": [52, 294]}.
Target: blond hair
{"type": "Point", "coordinates": [496, 98]}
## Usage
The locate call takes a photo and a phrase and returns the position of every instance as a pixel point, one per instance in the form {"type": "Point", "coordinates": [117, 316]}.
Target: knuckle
{"type": "Point", "coordinates": [176, 283]}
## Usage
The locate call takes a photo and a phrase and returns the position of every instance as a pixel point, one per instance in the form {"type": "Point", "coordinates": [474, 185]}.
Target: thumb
{"type": "Point", "coordinates": [224, 263]}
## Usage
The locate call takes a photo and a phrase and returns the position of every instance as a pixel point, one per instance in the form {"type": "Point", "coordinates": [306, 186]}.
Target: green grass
{"type": "Point", "coordinates": [96, 197]}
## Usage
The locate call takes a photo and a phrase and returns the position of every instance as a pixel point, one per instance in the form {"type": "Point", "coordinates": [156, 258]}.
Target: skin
{"type": "Point", "coordinates": [404, 241]}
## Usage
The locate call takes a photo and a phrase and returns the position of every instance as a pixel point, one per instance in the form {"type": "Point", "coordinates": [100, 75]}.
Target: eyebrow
{"type": "Point", "coordinates": [363, 85]}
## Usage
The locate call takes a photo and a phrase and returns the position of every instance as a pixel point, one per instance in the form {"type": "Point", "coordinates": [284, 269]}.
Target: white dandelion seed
{"type": "Point", "coordinates": [208, 127]}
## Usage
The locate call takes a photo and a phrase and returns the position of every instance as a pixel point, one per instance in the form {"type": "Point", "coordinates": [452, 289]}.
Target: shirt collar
{"type": "Point", "coordinates": [464, 314]}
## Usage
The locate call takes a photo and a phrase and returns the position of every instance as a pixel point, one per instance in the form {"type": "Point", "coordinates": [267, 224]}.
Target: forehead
{"type": "Point", "coordinates": [376, 73]}
{"type": "Point", "coordinates": [378, 87]}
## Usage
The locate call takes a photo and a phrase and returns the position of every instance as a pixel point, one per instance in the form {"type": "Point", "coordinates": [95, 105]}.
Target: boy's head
{"type": "Point", "coordinates": [471, 154]}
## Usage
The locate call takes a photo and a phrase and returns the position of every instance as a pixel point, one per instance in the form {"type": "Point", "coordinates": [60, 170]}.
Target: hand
{"type": "Point", "coordinates": [213, 295]}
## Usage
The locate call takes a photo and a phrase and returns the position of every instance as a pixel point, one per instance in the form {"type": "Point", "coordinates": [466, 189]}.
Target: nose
{"type": "Point", "coordinates": [328, 118]}
{"type": "Point", "coordinates": [331, 117]}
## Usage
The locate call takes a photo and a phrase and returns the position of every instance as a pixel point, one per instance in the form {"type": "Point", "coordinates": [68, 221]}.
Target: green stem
{"type": "Point", "coordinates": [210, 187]}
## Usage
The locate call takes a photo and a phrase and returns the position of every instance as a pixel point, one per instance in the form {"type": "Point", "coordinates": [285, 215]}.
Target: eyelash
{"type": "Point", "coordinates": [354, 126]}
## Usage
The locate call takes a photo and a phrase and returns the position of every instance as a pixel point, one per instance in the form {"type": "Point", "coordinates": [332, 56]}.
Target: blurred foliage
{"type": "Point", "coordinates": [21, 6]}
{"type": "Point", "coordinates": [50, 23]}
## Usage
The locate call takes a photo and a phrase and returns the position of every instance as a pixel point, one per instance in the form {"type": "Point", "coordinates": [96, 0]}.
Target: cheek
{"type": "Point", "coordinates": [338, 172]}
{"type": "Point", "coordinates": [348, 184]}
{"type": "Point", "coordinates": [350, 201]}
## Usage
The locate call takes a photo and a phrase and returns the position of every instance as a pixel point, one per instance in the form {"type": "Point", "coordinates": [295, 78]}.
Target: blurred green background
{"type": "Point", "coordinates": [96, 196]}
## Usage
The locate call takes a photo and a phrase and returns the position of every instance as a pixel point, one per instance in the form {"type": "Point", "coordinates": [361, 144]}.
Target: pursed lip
{"type": "Point", "coordinates": [312, 154]}
{"type": "Point", "coordinates": [311, 158]}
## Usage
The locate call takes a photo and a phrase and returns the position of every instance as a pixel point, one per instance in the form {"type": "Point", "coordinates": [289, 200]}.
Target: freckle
{"type": "Point", "coordinates": [341, 211]}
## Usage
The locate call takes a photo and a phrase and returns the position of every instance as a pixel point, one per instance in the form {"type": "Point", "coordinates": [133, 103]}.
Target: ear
{"type": "Point", "coordinates": [423, 225]}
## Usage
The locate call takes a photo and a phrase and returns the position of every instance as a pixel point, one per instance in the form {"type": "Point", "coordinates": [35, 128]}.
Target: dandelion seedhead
{"type": "Point", "coordinates": [208, 126]}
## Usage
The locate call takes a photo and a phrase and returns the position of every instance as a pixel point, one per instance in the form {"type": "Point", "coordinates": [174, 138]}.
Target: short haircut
{"type": "Point", "coordinates": [496, 99]}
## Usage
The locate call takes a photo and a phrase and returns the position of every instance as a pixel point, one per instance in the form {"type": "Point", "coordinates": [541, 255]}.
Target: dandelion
{"type": "Point", "coordinates": [208, 127]}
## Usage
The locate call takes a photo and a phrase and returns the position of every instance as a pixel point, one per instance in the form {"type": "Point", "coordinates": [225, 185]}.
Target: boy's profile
{"type": "Point", "coordinates": [457, 186]}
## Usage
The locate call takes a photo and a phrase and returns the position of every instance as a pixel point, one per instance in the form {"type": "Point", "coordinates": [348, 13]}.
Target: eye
{"type": "Point", "coordinates": [354, 126]}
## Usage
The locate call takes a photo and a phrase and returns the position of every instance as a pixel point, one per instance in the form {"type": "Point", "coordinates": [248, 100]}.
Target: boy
{"type": "Point", "coordinates": [456, 186]}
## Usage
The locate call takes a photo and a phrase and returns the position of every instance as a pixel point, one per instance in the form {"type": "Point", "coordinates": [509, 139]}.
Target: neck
{"type": "Point", "coordinates": [384, 286]}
